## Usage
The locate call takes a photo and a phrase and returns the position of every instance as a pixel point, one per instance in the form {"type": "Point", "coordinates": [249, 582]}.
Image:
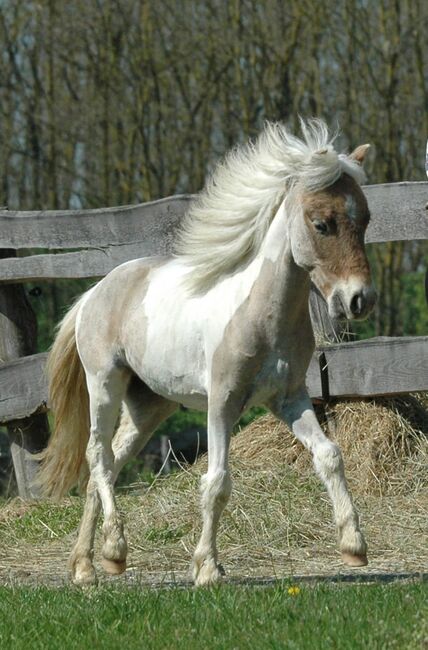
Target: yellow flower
{"type": "Point", "coordinates": [293, 591]}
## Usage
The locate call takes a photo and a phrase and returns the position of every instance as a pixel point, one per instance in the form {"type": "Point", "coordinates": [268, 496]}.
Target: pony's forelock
{"type": "Point", "coordinates": [226, 225]}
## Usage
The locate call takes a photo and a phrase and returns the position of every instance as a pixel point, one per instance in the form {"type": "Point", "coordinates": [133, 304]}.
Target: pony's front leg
{"type": "Point", "coordinates": [216, 487]}
{"type": "Point", "coordinates": [298, 413]}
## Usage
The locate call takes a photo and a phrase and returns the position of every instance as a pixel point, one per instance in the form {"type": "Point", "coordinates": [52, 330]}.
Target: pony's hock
{"type": "Point", "coordinates": [223, 325]}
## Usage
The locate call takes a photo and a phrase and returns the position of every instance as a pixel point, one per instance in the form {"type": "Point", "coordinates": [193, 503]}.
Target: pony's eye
{"type": "Point", "coordinates": [321, 227]}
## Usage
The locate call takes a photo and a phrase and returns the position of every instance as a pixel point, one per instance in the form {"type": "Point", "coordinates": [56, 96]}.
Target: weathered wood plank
{"type": "Point", "coordinates": [26, 436]}
{"type": "Point", "coordinates": [57, 229]}
{"type": "Point", "coordinates": [18, 331]}
{"type": "Point", "coordinates": [398, 213]}
{"type": "Point", "coordinates": [379, 366]}
{"type": "Point", "coordinates": [23, 387]}
{"type": "Point", "coordinates": [87, 263]}
{"type": "Point", "coordinates": [115, 235]}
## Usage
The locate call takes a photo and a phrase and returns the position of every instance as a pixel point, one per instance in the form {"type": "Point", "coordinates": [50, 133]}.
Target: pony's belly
{"type": "Point", "coordinates": [190, 399]}
{"type": "Point", "coordinates": [173, 374]}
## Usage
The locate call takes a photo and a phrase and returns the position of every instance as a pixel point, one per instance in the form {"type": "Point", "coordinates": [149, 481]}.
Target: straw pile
{"type": "Point", "coordinates": [384, 444]}
{"type": "Point", "coordinates": [279, 519]}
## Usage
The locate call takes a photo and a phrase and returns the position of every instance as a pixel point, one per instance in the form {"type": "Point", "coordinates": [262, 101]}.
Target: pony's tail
{"type": "Point", "coordinates": [63, 462]}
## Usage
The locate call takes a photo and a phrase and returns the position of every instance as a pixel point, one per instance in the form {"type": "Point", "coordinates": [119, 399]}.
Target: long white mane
{"type": "Point", "coordinates": [225, 226]}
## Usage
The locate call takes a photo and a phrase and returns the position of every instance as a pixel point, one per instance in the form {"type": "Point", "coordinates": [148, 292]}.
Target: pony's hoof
{"type": "Point", "coordinates": [113, 567]}
{"type": "Point", "coordinates": [83, 574]}
{"type": "Point", "coordinates": [208, 574]}
{"type": "Point", "coordinates": [354, 560]}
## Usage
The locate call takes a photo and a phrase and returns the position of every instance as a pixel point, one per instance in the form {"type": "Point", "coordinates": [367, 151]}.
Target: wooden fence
{"type": "Point", "coordinates": [107, 237]}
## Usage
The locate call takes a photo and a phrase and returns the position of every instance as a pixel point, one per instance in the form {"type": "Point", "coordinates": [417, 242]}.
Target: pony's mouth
{"type": "Point", "coordinates": [337, 308]}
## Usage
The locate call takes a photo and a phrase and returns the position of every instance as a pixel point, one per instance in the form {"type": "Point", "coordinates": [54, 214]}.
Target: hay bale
{"type": "Point", "coordinates": [384, 443]}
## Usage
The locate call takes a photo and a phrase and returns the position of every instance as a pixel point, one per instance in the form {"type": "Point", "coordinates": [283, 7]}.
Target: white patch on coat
{"type": "Point", "coordinates": [184, 331]}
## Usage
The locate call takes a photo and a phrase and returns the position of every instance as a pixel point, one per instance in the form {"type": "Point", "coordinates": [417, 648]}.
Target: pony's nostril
{"type": "Point", "coordinates": [357, 304]}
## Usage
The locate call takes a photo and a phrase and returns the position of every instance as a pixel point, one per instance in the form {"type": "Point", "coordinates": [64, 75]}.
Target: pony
{"type": "Point", "coordinates": [220, 325]}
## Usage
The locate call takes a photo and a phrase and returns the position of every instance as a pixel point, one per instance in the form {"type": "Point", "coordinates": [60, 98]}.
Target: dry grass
{"type": "Point", "coordinates": [278, 522]}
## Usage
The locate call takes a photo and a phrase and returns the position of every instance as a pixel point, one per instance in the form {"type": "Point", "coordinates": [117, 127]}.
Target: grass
{"type": "Point", "coordinates": [278, 524]}
{"type": "Point", "coordinates": [280, 616]}
{"type": "Point", "coordinates": [38, 521]}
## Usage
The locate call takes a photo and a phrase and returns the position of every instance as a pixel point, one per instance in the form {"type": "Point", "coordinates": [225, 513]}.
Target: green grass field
{"type": "Point", "coordinates": [281, 616]}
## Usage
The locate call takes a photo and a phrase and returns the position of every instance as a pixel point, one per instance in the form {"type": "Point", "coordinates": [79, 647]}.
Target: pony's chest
{"type": "Point", "coordinates": [273, 375]}
{"type": "Point", "coordinates": [279, 373]}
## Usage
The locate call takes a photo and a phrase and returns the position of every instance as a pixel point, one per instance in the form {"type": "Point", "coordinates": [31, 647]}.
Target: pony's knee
{"type": "Point", "coordinates": [328, 459]}
{"type": "Point", "coordinates": [216, 487]}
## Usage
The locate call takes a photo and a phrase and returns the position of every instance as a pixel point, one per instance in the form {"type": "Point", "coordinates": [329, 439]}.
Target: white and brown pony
{"type": "Point", "coordinates": [221, 326]}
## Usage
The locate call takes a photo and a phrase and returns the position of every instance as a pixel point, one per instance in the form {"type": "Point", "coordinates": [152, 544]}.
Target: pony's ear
{"type": "Point", "coordinates": [360, 153]}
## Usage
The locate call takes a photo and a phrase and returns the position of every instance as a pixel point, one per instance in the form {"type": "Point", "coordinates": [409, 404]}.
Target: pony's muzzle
{"type": "Point", "coordinates": [354, 304]}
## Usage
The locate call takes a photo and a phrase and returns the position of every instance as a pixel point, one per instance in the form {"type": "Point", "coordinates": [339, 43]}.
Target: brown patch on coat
{"type": "Point", "coordinates": [107, 312]}
{"type": "Point", "coordinates": [261, 329]}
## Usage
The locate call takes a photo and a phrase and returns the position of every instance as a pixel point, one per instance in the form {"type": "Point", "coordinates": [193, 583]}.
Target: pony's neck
{"type": "Point", "coordinates": [290, 284]}
{"type": "Point", "coordinates": [277, 239]}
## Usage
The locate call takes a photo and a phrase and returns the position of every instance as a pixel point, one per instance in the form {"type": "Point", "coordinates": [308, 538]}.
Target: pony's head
{"type": "Point", "coordinates": [328, 239]}
{"type": "Point", "coordinates": [325, 209]}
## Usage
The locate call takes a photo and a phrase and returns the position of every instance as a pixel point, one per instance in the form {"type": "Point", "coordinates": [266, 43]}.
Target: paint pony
{"type": "Point", "coordinates": [221, 325]}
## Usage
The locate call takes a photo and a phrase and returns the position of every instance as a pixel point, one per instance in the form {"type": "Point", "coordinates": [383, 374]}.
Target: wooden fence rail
{"type": "Point", "coordinates": [377, 366]}
{"type": "Point", "coordinates": [111, 236]}
{"type": "Point", "coordinates": [108, 237]}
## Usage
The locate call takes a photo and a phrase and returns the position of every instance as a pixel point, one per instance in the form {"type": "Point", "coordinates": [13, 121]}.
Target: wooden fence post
{"type": "Point", "coordinates": [18, 331]}
{"type": "Point", "coordinates": [326, 330]}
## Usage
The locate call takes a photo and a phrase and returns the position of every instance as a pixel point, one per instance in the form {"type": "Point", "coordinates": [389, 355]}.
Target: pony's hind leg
{"type": "Point", "coordinates": [142, 412]}
{"type": "Point", "coordinates": [216, 487]}
{"type": "Point", "coordinates": [81, 559]}
{"type": "Point", "coordinates": [105, 397]}
{"type": "Point", "coordinates": [298, 413]}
